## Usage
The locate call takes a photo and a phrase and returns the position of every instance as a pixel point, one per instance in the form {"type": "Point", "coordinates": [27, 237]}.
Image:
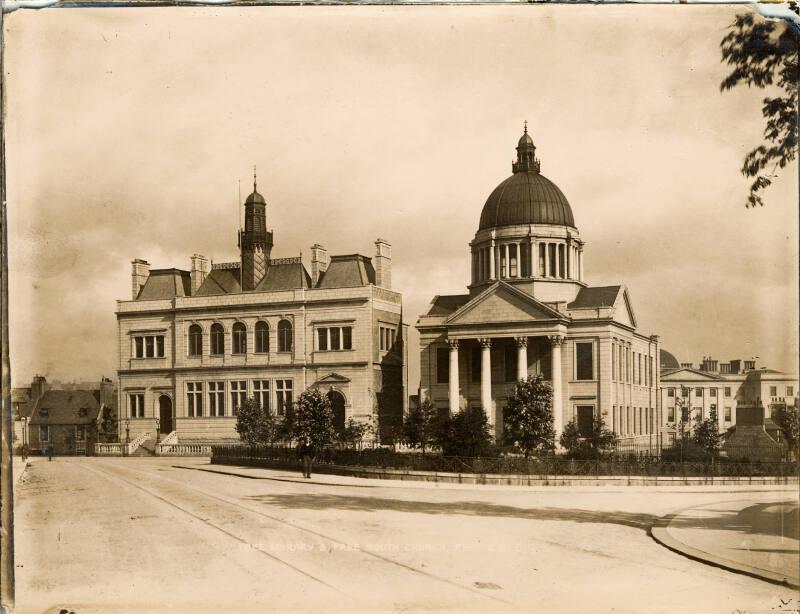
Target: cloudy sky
{"type": "Point", "coordinates": [129, 129]}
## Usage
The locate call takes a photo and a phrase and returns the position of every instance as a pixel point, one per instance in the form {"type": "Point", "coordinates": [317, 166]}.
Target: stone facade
{"type": "Point", "coordinates": [529, 311]}
{"type": "Point", "coordinates": [220, 342]}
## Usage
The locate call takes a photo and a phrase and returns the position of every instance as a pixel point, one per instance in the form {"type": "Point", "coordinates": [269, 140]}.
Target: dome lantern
{"type": "Point", "coordinates": [526, 154]}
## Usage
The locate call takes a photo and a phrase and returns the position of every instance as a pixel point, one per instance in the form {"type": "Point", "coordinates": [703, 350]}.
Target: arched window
{"type": "Point", "coordinates": [217, 339]}
{"type": "Point", "coordinates": [239, 338]}
{"type": "Point", "coordinates": [195, 340]}
{"type": "Point", "coordinates": [262, 337]}
{"type": "Point", "coordinates": [284, 336]}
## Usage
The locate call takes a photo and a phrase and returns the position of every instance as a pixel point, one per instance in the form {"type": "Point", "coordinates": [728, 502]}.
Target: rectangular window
{"type": "Point", "coordinates": [475, 365]}
{"type": "Point", "coordinates": [627, 365]}
{"type": "Point", "coordinates": [551, 249]}
{"type": "Point", "coordinates": [322, 339]}
{"type": "Point", "coordinates": [639, 368]}
{"type": "Point", "coordinates": [80, 433]}
{"type": "Point", "coordinates": [684, 392]}
{"type": "Point", "coordinates": [670, 392]}
{"type": "Point", "coordinates": [511, 365]}
{"type": "Point", "coordinates": [584, 361]}
{"type": "Point", "coordinates": [149, 346]}
{"type": "Point", "coordinates": [613, 362]}
{"type": "Point", "coordinates": [238, 395]}
{"type": "Point", "coordinates": [684, 414]}
{"type": "Point", "coordinates": [789, 391]}
{"type": "Point", "coordinates": [512, 257]}
{"type": "Point", "coordinates": [442, 365]}
{"type": "Point", "coordinates": [136, 405]}
{"type": "Point", "coordinates": [670, 414]}
{"type": "Point", "coordinates": [727, 414]}
{"type": "Point", "coordinates": [773, 391]}
{"type": "Point", "coordinates": [194, 399]}
{"type": "Point", "coordinates": [283, 395]}
{"type": "Point", "coordinates": [713, 392]}
{"type": "Point", "coordinates": [44, 433]}
{"type": "Point", "coordinates": [542, 272]}
{"type": "Point", "coordinates": [261, 394]}
{"type": "Point", "coordinates": [336, 338]}
{"type": "Point", "coordinates": [698, 392]}
{"type": "Point", "coordinates": [216, 398]}
{"type": "Point", "coordinates": [160, 347]}
{"type": "Point", "coordinates": [347, 337]}
{"type": "Point", "coordinates": [727, 392]}
{"type": "Point", "coordinates": [139, 345]}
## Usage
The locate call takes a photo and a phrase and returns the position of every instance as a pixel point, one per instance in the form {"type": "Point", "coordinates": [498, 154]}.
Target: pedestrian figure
{"type": "Point", "coordinates": [306, 451]}
{"type": "Point", "coordinates": [49, 453]}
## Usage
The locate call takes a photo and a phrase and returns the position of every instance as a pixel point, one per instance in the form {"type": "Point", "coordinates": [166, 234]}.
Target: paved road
{"type": "Point", "coordinates": [180, 535]}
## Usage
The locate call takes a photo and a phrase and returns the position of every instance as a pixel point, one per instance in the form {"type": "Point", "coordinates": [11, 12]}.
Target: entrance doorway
{"type": "Point", "coordinates": [165, 414]}
{"type": "Point", "coordinates": [337, 404]}
{"type": "Point", "coordinates": [585, 419]}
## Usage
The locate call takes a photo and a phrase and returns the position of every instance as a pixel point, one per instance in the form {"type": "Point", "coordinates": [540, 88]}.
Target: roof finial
{"type": "Point", "coordinates": [526, 126]}
{"type": "Point", "coordinates": [254, 178]}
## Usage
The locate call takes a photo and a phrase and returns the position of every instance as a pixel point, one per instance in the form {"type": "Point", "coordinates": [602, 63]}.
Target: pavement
{"type": "Point", "coordinates": [757, 539]}
{"type": "Point", "coordinates": [181, 535]}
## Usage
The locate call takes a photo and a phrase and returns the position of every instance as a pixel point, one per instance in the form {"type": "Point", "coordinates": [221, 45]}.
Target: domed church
{"type": "Point", "coordinates": [529, 310]}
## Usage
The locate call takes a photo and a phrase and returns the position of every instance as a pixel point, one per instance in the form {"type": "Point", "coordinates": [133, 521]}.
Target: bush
{"type": "Point", "coordinates": [464, 434]}
{"type": "Point", "coordinates": [255, 425]}
{"type": "Point", "coordinates": [420, 425]}
{"type": "Point", "coordinates": [599, 443]}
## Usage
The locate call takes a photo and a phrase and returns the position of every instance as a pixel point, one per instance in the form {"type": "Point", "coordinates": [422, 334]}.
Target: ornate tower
{"type": "Point", "coordinates": [254, 240]}
{"type": "Point", "coordinates": [526, 154]}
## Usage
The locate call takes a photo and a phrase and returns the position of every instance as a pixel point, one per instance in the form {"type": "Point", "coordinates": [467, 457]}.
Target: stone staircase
{"type": "Point", "coordinates": [147, 448]}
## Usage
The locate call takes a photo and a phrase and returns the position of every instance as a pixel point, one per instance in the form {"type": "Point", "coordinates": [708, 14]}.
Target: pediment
{"type": "Point", "coordinates": [333, 378]}
{"type": "Point", "coordinates": [502, 303]}
{"type": "Point", "coordinates": [623, 310]}
{"type": "Point", "coordinates": [689, 375]}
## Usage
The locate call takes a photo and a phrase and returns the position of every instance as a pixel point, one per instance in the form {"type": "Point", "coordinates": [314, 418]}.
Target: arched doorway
{"type": "Point", "coordinates": [165, 414]}
{"type": "Point", "coordinates": [337, 404]}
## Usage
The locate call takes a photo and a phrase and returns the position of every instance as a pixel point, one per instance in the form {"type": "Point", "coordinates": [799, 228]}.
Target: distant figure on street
{"type": "Point", "coordinates": [49, 453]}
{"type": "Point", "coordinates": [306, 451]}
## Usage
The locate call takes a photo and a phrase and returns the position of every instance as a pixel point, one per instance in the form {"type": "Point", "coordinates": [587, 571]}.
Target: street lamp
{"type": "Point", "coordinates": [127, 433]}
{"type": "Point", "coordinates": [158, 429]}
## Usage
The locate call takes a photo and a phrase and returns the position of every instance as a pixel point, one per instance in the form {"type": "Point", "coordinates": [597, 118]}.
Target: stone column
{"type": "Point", "coordinates": [506, 260]}
{"type": "Point", "coordinates": [492, 264]}
{"type": "Point", "coordinates": [522, 357]}
{"type": "Point", "coordinates": [534, 259]}
{"type": "Point", "coordinates": [454, 405]}
{"type": "Point", "coordinates": [486, 377]}
{"type": "Point", "coordinates": [547, 260]}
{"type": "Point", "coordinates": [555, 367]}
{"type": "Point", "coordinates": [519, 260]}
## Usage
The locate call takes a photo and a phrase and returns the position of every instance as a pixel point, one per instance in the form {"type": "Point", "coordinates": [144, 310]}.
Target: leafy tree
{"type": "Point", "coordinates": [353, 433]}
{"type": "Point", "coordinates": [254, 425]}
{"type": "Point", "coordinates": [420, 425]}
{"type": "Point", "coordinates": [466, 433]}
{"type": "Point", "coordinates": [764, 54]}
{"type": "Point", "coordinates": [312, 418]}
{"type": "Point", "coordinates": [598, 443]}
{"type": "Point", "coordinates": [788, 421]}
{"type": "Point", "coordinates": [108, 426]}
{"type": "Point", "coordinates": [528, 416]}
{"type": "Point", "coordinates": [706, 435]}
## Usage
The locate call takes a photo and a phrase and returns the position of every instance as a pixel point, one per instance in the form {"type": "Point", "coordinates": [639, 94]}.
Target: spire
{"type": "Point", "coordinates": [255, 183]}
{"type": "Point", "coordinates": [526, 153]}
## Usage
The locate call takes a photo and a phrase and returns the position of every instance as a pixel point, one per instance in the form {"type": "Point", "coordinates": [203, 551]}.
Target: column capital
{"type": "Point", "coordinates": [557, 339]}
{"type": "Point", "coordinates": [521, 341]}
{"type": "Point", "coordinates": [453, 343]}
{"type": "Point", "coordinates": [485, 342]}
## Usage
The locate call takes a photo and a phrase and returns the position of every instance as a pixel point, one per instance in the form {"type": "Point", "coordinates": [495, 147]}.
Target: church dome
{"type": "Point", "coordinates": [668, 361]}
{"type": "Point", "coordinates": [527, 197]}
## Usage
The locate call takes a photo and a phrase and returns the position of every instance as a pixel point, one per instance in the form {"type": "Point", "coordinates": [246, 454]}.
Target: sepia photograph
{"type": "Point", "coordinates": [400, 308]}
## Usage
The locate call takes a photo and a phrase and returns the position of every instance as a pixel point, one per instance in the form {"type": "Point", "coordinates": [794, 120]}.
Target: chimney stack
{"type": "Point", "coordinates": [200, 269]}
{"type": "Point", "coordinates": [139, 274]}
{"type": "Point", "coordinates": [383, 264]}
{"type": "Point", "coordinates": [319, 263]}
{"type": "Point", "coordinates": [106, 391]}
{"type": "Point", "coordinates": [38, 387]}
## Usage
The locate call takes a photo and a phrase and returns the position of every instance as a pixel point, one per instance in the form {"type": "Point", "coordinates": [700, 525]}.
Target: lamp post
{"type": "Point", "coordinates": [158, 429]}
{"type": "Point", "coordinates": [127, 434]}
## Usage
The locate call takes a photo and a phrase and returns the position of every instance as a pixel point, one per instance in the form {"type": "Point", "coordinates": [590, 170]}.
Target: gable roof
{"type": "Point", "coordinates": [445, 304]}
{"type": "Point", "coordinates": [166, 283]}
{"type": "Point", "coordinates": [333, 378]}
{"type": "Point", "coordinates": [588, 298]}
{"type": "Point", "coordinates": [64, 407]}
{"type": "Point", "coordinates": [502, 302]}
{"type": "Point", "coordinates": [686, 373]}
{"type": "Point", "coordinates": [220, 281]}
{"type": "Point", "coordinates": [348, 271]}
{"type": "Point", "coordinates": [288, 276]}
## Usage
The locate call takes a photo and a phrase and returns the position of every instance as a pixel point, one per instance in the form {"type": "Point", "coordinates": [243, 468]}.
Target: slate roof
{"type": "Point", "coordinates": [166, 283]}
{"type": "Point", "coordinates": [220, 281]}
{"type": "Point", "coordinates": [348, 271]}
{"type": "Point", "coordinates": [445, 304]}
{"type": "Point", "coordinates": [63, 407]}
{"type": "Point", "coordinates": [604, 296]}
{"type": "Point", "coordinates": [284, 277]}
